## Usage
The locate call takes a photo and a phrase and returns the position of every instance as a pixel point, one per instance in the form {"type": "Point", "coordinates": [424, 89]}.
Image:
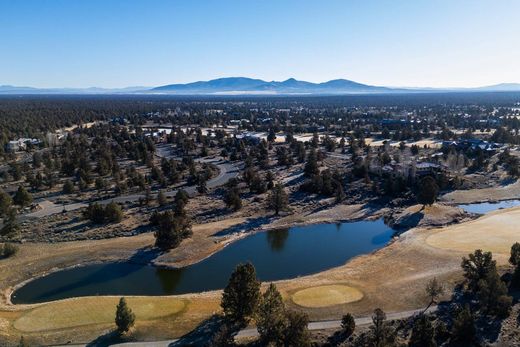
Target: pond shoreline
{"type": "Point", "coordinates": [333, 245]}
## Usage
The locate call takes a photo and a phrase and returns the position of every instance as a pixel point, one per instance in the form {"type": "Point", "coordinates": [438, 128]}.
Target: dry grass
{"type": "Point", "coordinates": [511, 191]}
{"type": "Point", "coordinates": [94, 310]}
{"type": "Point", "coordinates": [392, 278]}
{"type": "Point", "coordinates": [323, 296]}
{"type": "Point", "coordinates": [494, 232]}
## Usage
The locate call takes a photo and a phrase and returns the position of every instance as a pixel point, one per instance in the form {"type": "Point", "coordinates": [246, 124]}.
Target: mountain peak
{"type": "Point", "coordinates": [244, 85]}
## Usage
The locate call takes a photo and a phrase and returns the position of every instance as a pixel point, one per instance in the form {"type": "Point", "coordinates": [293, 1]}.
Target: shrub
{"type": "Point", "coordinates": [125, 318]}
{"type": "Point", "coordinates": [348, 325]}
{"type": "Point", "coordinates": [99, 214]}
{"type": "Point", "coordinates": [8, 250]}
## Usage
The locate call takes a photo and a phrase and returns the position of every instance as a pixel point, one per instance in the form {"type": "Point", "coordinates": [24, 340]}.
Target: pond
{"type": "Point", "coordinates": [276, 255]}
{"type": "Point", "coordinates": [486, 207]}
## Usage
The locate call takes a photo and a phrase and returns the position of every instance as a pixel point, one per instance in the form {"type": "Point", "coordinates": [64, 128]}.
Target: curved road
{"type": "Point", "coordinates": [226, 172]}
{"type": "Point", "coordinates": [252, 332]}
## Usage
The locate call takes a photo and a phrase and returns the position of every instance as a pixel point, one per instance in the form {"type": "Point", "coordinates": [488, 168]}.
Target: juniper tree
{"type": "Point", "coordinates": [296, 332]}
{"type": "Point", "coordinates": [125, 318]}
{"type": "Point", "coordinates": [270, 319]}
{"type": "Point", "coordinates": [277, 199]}
{"type": "Point", "coordinates": [423, 333]}
{"type": "Point", "coordinates": [348, 325]}
{"type": "Point", "coordinates": [428, 191]}
{"type": "Point", "coordinates": [241, 296]}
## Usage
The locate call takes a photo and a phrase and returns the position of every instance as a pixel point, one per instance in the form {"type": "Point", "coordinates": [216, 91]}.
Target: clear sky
{"type": "Point", "coordinates": [116, 43]}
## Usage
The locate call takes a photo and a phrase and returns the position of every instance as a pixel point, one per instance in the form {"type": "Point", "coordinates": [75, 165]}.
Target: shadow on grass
{"type": "Point", "coordinates": [202, 334]}
{"type": "Point", "coordinates": [107, 339]}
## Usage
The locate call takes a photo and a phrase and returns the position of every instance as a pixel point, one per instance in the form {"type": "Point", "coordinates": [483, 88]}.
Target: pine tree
{"type": "Point", "coordinates": [348, 325]}
{"type": "Point", "coordinates": [382, 334]}
{"type": "Point", "coordinates": [277, 199]}
{"type": "Point", "coordinates": [22, 197]}
{"type": "Point", "coordinates": [68, 187]}
{"type": "Point", "coordinates": [241, 296]}
{"type": "Point", "coordinates": [5, 203]}
{"type": "Point", "coordinates": [476, 267]}
{"type": "Point", "coordinates": [433, 289]}
{"type": "Point", "coordinates": [311, 166]}
{"type": "Point", "coordinates": [125, 318]}
{"type": "Point", "coordinates": [463, 330]}
{"type": "Point", "coordinates": [10, 225]}
{"type": "Point", "coordinates": [232, 198]}
{"type": "Point", "coordinates": [428, 191]}
{"type": "Point", "coordinates": [423, 333]}
{"type": "Point", "coordinates": [171, 230]}
{"type": "Point", "coordinates": [297, 332]}
{"type": "Point", "coordinates": [161, 198]}
{"type": "Point", "coordinates": [270, 319]}
{"type": "Point", "coordinates": [515, 261]}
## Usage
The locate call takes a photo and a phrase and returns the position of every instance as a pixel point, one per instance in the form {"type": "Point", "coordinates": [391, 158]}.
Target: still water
{"type": "Point", "coordinates": [276, 255]}
{"type": "Point", "coordinates": [486, 207]}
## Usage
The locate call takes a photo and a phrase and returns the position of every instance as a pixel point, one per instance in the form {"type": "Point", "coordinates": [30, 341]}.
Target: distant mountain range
{"type": "Point", "coordinates": [250, 86]}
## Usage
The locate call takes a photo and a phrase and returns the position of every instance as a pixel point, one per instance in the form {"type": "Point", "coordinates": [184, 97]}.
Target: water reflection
{"type": "Point", "coordinates": [276, 254]}
{"type": "Point", "coordinates": [485, 207]}
{"type": "Point", "coordinates": [277, 238]}
{"type": "Point", "coordinates": [169, 279]}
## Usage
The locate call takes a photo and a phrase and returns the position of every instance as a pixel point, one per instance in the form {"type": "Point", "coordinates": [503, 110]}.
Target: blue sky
{"type": "Point", "coordinates": [116, 43]}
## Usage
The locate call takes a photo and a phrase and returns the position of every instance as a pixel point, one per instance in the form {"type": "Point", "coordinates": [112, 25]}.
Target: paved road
{"type": "Point", "coordinates": [226, 172]}
{"type": "Point", "coordinates": [252, 332]}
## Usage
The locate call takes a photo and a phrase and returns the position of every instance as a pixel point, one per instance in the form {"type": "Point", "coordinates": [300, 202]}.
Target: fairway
{"type": "Point", "coordinates": [323, 296]}
{"type": "Point", "coordinates": [94, 310]}
{"type": "Point", "coordinates": [495, 232]}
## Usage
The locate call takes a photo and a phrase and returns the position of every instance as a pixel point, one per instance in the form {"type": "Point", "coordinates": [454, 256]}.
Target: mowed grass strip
{"type": "Point", "coordinates": [323, 296]}
{"type": "Point", "coordinates": [94, 311]}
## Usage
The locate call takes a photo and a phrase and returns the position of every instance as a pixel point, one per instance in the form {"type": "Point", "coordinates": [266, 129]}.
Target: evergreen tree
{"type": "Point", "coordinates": [5, 203]}
{"type": "Point", "coordinates": [270, 319]}
{"type": "Point", "coordinates": [311, 166]}
{"type": "Point", "coordinates": [381, 334]}
{"type": "Point", "coordinates": [297, 332]}
{"type": "Point", "coordinates": [161, 198]}
{"type": "Point", "coordinates": [22, 197]}
{"type": "Point", "coordinates": [10, 225]}
{"type": "Point", "coordinates": [241, 296]}
{"type": "Point", "coordinates": [463, 330]}
{"type": "Point", "coordinates": [277, 199]}
{"type": "Point", "coordinates": [428, 191]}
{"type": "Point", "coordinates": [348, 325]}
{"type": "Point", "coordinates": [232, 198]}
{"type": "Point", "coordinates": [68, 187]}
{"type": "Point", "coordinates": [423, 333]}
{"type": "Point", "coordinates": [434, 290]}
{"type": "Point", "coordinates": [180, 202]}
{"type": "Point", "coordinates": [514, 259]}
{"type": "Point", "coordinates": [113, 213]}
{"type": "Point", "coordinates": [171, 230]}
{"type": "Point", "coordinates": [476, 267]}
{"type": "Point", "coordinates": [492, 295]}
{"type": "Point", "coordinates": [125, 318]}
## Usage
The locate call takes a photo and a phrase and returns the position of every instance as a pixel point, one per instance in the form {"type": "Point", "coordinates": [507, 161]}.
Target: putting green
{"type": "Point", "coordinates": [94, 310]}
{"type": "Point", "coordinates": [323, 296]}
